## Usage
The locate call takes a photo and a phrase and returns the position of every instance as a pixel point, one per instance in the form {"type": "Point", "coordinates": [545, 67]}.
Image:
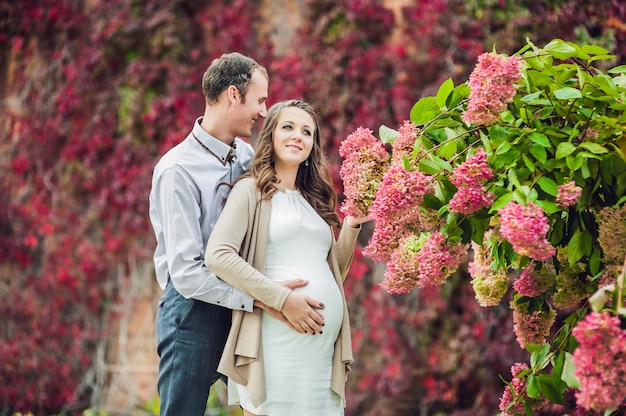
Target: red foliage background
{"type": "Point", "coordinates": [95, 91]}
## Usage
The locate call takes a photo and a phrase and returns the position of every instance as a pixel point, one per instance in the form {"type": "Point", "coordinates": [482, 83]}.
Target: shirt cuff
{"type": "Point", "coordinates": [231, 299]}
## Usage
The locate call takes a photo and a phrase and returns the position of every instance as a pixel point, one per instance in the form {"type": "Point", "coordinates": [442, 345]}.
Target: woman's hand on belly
{"type": "Point", "coordinates": [276, 314]}
{"type": "Point", "coordinates": [298, 309]}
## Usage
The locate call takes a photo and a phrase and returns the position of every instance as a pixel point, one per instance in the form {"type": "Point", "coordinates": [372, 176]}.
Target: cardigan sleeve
{"type": "Point", "coordinates": [234, 225]}
{"type": "Point", "coordinates": [345, 246]}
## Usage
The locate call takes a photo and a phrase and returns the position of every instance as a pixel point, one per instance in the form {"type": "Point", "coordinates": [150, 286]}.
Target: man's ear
{"type": "Point", "coordinates": [233, 94]}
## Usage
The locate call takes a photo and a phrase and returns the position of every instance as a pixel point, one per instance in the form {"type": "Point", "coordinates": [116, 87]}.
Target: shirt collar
{"type": "Point", "coordinates": [217, 148]}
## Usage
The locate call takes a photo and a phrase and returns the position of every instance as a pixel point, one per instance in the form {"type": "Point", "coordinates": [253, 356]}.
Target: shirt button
{"type": "Point", "coordinates": [243, 306]}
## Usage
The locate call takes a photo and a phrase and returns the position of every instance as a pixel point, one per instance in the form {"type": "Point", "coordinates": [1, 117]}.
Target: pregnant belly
{"type": "Point", "coordinates": [322, 288]}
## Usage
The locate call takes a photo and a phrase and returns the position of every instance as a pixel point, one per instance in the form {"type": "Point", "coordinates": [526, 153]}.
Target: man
{"type": "Point", "coordinates": [189, 188]}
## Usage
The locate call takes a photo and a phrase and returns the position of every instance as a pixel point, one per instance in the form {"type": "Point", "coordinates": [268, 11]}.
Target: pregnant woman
{"type": "Point", "coordinates": [279, 223]}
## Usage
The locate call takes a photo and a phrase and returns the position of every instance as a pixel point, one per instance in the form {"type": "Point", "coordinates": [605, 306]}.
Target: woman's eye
{"type": "Point", "coordinates": [307, 132]}
{"type": "Point", "coordinates": [287, 127]}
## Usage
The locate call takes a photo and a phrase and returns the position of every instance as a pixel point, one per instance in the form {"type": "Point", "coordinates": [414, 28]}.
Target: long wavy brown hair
{"type": "Point", "coordinates": [313, 181]}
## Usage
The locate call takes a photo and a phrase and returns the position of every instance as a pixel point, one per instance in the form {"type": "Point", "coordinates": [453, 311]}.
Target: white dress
{"type": "Point", "coordinates": [298, 366]}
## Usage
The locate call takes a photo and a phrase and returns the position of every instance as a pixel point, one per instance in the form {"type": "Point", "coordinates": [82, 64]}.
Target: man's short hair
{"type": "Point", "coordinates": [229, 69]}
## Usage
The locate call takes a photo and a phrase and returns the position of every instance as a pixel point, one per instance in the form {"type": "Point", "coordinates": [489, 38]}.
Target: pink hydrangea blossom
{"type": "Point", "coordinates": [384, 240]}
{"type": "Point", "coordinates": [424, 260]}
{"type": "Point", "coordinates": [600, 360]}
{"type": "Point", "coordinates": [402, 268]}
{"type": "Point", "coordinates": [533, 282]}
{"type": "Point", "coordinates": [492, 84]}
{"type": "Point", "coordinates": [438, 259]}
{"type": "Point", "coordinates": [399, 195]}
{"type": "Point", "coordinates": [468, 177]}
{"type": "Point", "coordinates": [568, 194]}
{"type": "Point", "coordinates": [404, 144]}
{"type": "Point", "coordinates": [396, 210]}
{"type": "Point", "coordinates": [471, 198]}
{"type": "Point", "coordinates": [365, 162]}
{"type": "Point", "coordinates": [525, 227]}
{"type": "Point", "coordinates": [474, 171]}
{"type": "Point", "coordinates": [531, 326]}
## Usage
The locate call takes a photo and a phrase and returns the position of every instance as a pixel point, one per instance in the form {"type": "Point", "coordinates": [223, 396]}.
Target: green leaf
{"type": "Point", "coordinates": [425, 143]}
{"type": "Point", "coordinates": [569, 376]}
{"type": "Point", "coordinates": [444, 92]}
{"type": "Point", "coordinates": [587, 155]}
{"type": "Point", "coordinates": [575, 163]}
{"type": "Point", "coordinates": [594, 147]}
{"type": "Point", "coordinates": [528, 98]}
{"type": "Point", "coordinates": [551, 389]}
{"type": "Point", "coordinates": [387, 135]}
{"type": "Point", "coordinates": [432, 202]}
{"type": "Point", "coordinates": [535, 62]}
{"type": "Point", "coordinates": [534, 387]}
{"type": "Point", "coordinates": [585, 170]}
{"type": "Point", "coordinates": [406, 162]}
{"type": "Point", "coordinates": [507, 117]}
{"type": "Point", "coordinates": [506, 160]}
{"type": "Point", "coordinates": [566, 72]}
{"type": "Point", "coordinates": [606, 84]}
{"type": "Point", "coordinates": [544, 113]}
{"type": "Point", "coordinates": [548, 207]}
{"type": "Point", "coordinates": [620, 81]}
{"type": "Point", "coordinates": [444, 189]}
{"type": "Point", "coordinates": [548, 185]}
{"type": "Point", "coordinates": [443, 121]}
{"type": "Point", "coordinates": [559, 49]}
{"type": "Point", "coordinates": [496, 134]}
{"type": "Point", "coordinates": [578, 246]}
{"type": "Point", "coordinates": [529, 163]}
{"type": "Point", "coordinates": [595, 261]}
{"type": "Point", "coordinates": [501, 202]}
{"type": "Point", "coordinates": [618, 70]}
{"type": "Point", "coordinates": [540, 139]}
{"type": "Point", "coordinates": [567, 93]}
{"type": "Point", "coordinates": [538, 152]}
{"type": "Point", "coordinates": [603, 57]}
{"type": "Point", "coordinates": [479, 225]}
{"type": "Point", "coordinates": [594, 50]}
{"type": "Point", "coordinates": [459, 93]}
{"type": "Point", "coordinates": [557, 364]}
{"type": "Point", "coordinates": [442, 163]}
{"type": "Point", "coordinates": [621, 184]}
{"type": "Point", "coordinates": [424, 110]}
{"type": "Point", "coordinates": [564, 149]}
{"type": "Point", "coordinates": [447, 149]}
{"type": "Point", "coordinates": [538, 358]}
{"type": "Point", "coordinates": [503, 148]}
{"type": "Point", "coordinates": [429, 167]}
{"type": "Point", "coordinates": [512, 175]}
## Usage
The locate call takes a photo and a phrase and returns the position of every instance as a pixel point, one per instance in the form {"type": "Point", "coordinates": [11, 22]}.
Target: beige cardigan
{"type": "Point", "coordinates": [236, 252]}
